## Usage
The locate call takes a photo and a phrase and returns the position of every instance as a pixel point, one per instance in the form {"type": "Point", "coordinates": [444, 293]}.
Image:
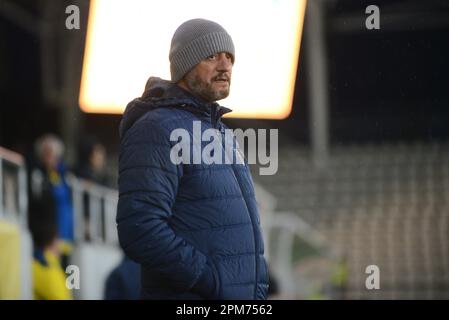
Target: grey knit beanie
{"type": "Point", "coordinates": [195, 40]}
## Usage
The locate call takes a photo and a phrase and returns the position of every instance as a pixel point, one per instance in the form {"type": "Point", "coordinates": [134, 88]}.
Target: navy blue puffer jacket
{"type": "Point", "coordinates": [194, 228]}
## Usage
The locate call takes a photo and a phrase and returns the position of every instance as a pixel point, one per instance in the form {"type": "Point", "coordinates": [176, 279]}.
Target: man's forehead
{"type": "Point", "coordinates": [220, 52]}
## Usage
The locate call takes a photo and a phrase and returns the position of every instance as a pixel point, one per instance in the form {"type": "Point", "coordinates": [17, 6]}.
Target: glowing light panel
{"type": "Point", "coordinates": [128, 41]}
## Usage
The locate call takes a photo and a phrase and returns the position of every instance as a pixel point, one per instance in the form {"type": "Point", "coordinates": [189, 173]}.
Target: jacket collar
{"type": "Point", "coordinates": [161, 93]}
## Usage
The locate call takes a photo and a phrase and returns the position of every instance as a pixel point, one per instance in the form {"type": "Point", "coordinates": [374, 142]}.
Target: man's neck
{"type": "Point", "coordinates": [183, 85]}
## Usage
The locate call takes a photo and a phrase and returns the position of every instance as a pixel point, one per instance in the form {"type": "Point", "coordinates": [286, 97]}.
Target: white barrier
{"type": "Point", "coordinates": [95, 210]}
{"type": "Point", "coordinates": [96, 250]}
{"type": "Point", "coordinates": [13, 209]}
{"type": "Point", "coordinates": [95, 261]}
{"type": "Point", "coordinates": [289, 226]}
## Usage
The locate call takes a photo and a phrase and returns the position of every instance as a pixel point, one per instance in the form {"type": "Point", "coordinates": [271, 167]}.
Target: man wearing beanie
{"type": "Point", "coordinates": [193, 227]}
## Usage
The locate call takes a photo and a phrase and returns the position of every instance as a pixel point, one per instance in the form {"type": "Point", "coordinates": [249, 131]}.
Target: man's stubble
{"type": "Point", "coordinates": [204, 89]}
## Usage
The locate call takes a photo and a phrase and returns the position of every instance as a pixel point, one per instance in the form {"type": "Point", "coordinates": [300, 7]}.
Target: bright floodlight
{"type": "Point", "coordinates": [128, 41]}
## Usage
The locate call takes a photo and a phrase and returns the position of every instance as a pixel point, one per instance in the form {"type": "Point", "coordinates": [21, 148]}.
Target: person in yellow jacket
{"type": "Point", "coordinates": [48, 276]}
{"type": "Point", "coordinates": [49, 279]}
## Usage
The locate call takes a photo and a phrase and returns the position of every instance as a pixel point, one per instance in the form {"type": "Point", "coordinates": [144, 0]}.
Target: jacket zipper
{"type": "Point", "coordinates": [256, 245]}
{"type": "Point", "coordinates": [214, 120]}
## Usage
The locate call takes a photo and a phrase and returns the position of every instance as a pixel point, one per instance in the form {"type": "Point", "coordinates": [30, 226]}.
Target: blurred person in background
{"type": "Point", "coordinates": [339, 279]}
{"type": "Point", "coordinates": [50, 192]}
{"type": "Point", "coordinates": [49, 279]}
{"type": "Point", "coordinates": [123, 283]}
{"type": "Point", "coordinates": [91, 167]}
{"type": "Point", "coordinates": [92, 158]}
{"type": "Point", "coordinates": [194, 228]}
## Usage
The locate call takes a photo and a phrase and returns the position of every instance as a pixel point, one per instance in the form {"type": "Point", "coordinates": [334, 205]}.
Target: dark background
{"type": "Point", "coordinates": [385, 85]}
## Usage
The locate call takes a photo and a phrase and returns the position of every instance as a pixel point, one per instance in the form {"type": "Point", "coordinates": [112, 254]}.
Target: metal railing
{"type": "Point", "coordinates": [288, 226]}
{"type": "Point", "coordinates": [95, 210]}
{"type": "Point", "coordinates": [13, 187]}
{"type": "Point", "coordinates": [13, 211]}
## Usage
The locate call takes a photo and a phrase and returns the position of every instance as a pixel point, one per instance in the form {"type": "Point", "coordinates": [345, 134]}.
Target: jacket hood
{"type": "Point", "coordinates": [161, 93]}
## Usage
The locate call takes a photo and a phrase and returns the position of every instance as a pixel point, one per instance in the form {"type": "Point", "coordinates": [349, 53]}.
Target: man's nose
{"type": "Point", "coordinates": [224, 62]}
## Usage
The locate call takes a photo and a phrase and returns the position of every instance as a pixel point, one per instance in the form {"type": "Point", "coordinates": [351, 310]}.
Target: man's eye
{"type": "Point", "coordinates": [212, 57]}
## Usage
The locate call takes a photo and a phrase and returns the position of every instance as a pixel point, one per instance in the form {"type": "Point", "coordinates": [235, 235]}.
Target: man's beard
{"type": "Point", "coordinates": [204, 90]}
